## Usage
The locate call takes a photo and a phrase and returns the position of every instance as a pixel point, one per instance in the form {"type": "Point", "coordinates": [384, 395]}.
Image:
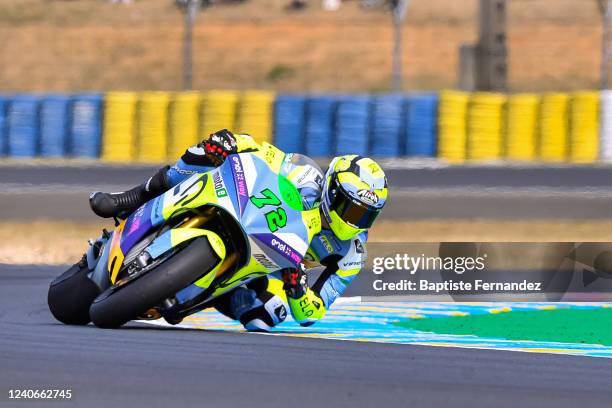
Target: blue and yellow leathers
{"type": "Point", "coordinates": [263, 303]}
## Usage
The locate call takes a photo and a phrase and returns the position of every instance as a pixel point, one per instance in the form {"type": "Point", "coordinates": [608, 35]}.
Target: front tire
{"type": "Point", "coordinates": [71, 294]}
{"type": "Point", "coordinates": [116, 306]}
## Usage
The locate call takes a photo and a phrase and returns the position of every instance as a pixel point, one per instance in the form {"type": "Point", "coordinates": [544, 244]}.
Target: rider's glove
{"type": "Point", "coordinates": [219, 145]}
{"type": "Point", "coordinates": [295, 282]}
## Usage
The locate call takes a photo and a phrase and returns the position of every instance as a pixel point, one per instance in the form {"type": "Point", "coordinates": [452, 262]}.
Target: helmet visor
{"type": "Point", "coordinates": [352, 211]}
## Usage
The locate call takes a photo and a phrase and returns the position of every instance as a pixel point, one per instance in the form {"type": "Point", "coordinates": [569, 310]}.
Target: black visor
{"type": "Point", "coordinates": [352, 211]}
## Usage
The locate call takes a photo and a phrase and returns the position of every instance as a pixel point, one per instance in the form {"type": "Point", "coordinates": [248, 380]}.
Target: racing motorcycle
{"type": "Point", "coordinates": [180, 251]}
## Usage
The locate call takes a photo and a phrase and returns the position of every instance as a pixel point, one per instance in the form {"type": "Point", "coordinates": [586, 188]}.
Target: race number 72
{"type": "Point", "coordinates": [277, 218]}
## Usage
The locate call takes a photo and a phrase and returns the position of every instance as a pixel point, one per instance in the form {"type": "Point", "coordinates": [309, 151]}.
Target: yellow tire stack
{"type": "Point", "coordinates": [218, 112]}
{"type": "Point", "coordinates": [521, 127]}
{"type": "Point", "coordinates": [553, 127]}
{"type": "Point", "coordinates": [255, 112]}
{"type": "Point", "coordinates": [184, 123]}
{"type": "Point", "coordinates": [452, 130]}
{"type": "Point", "coordinates": [153, 127]}
{"type": "Point", "coordinates": [119, 119]}
{"type": "Point", "coordinates": [485, 126]}
{"type": "Point", "coordinates": [584, 129]}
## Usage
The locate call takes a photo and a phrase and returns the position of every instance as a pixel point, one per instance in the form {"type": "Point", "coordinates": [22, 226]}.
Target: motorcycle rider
{"type": "Point", "coordinates": [354, 190]}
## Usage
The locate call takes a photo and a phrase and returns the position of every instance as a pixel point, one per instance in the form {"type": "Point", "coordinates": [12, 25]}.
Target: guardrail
{"type": "Point", "coordinates": [451, 125]}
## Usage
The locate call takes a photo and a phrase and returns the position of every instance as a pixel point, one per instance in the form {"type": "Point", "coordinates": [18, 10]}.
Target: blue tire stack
{"type": "Point", "coordinates": [85, 133]}
{"type": "Point", "coordinates": [388, 126]}
{"type": "Point", "coordinates": [421, 125]}
{"type": "Point", "coordinates": [320, 111]}
{"type": "Point", "coordinates": [289, 122]}
{"type": "Point", "coordinates": [53, 125]}
{"type": "Point", "coordinates": [23, 126]}
{"type": "Point", "coordinates": [3, 138]}
{"type": "Point", "coordinates": [353, 125]}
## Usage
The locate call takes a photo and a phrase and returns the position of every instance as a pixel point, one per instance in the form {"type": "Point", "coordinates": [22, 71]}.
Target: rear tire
{"type": "Point", "coordinates": [116, 306]}
{"type": "Point", "coordinates": [71, 294]}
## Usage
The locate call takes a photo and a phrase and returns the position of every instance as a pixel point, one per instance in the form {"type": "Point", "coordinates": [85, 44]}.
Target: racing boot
{"type": "Point", "coordinates": [122, 204]}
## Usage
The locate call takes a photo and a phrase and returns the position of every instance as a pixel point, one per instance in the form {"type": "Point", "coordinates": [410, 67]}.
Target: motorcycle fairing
{"type": "Point", "coordinates": [250, 189]}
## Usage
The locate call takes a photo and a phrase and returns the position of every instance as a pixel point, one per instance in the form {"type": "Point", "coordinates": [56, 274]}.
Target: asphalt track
{"type": "Point", "coordinates": [416, 191]}
{"type": "Point", "coordinates": [159, 367]}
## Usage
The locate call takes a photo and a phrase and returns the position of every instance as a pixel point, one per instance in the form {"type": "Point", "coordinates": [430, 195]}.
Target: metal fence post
{"type": "Point", "coordinates": [399, 9]}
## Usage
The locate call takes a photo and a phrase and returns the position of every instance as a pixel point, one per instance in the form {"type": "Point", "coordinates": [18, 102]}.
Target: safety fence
{"type": "Point", "coordinates": [451, 125]}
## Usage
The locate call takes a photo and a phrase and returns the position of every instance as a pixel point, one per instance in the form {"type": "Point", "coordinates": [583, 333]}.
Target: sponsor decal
{"type": "Point", "coordinates": [304, 175]}
{"type": "Point", "coordinates": [281, 247]}
{"type": "Point", "coordinates": [352, 264]}
{"type": "Point", "coordinates": [239, 179]}
{"type": "Point", "coordinates": [368, 197]}
{"type": "Point", "coordinates": [220, 190]}
{"type": "Point", "coordinates": [266, 262]}
{"type": "Point", "coordinates": [281, 313]}
{"type": "Point", "coordinates": [326, 244]}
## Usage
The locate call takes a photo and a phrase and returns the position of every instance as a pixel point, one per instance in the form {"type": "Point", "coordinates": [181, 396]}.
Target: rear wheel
{"type": "Point", "coordinates": [71, 294]}
{"type": "Point", "coordinates": [117, 306]}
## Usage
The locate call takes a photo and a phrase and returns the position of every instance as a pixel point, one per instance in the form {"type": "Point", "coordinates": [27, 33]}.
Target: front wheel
{"type": "Point", "coordinates": [116, 306]}
{"type": "Point", "coordinates": [71, 294]}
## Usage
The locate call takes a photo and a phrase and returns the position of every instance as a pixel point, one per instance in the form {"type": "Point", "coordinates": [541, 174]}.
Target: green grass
{"type": "Point", "coordinates": [587, 326]}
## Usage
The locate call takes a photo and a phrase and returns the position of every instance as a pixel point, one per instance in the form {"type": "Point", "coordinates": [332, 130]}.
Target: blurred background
{"type": "Point", "coordinates": [457, 80]}
{"type": "Point", "coordinates": [492, 118]}
{"type": "Point", "coordinates": [99, 45]}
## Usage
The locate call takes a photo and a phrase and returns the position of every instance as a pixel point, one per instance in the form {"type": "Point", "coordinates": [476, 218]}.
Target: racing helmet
{"type": "Point", "coordinates": [306, 176]}
{"type": "Point", "coordinates": [355, 191]}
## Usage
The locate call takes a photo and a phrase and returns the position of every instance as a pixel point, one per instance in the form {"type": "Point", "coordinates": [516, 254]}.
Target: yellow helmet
{"type": "Point", "coordinates": [354, 193]}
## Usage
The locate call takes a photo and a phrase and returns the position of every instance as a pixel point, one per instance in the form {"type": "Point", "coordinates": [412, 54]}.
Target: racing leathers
{"type": "Point", "coordinates": [263, 303]}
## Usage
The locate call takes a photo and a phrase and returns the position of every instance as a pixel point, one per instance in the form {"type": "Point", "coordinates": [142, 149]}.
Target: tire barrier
{"type": "Point", "coordinates": [184, 123]}
{"type": "Point", "coordinates": [85, 133]}
{"type": "Point", "coordinates": [584, 127]}
{"type": "Point", "coordinates": [3, 123]}
{"type": "Point", "coordinates": [23, 126]}
{"type": "Point", "coordinates": [485, 124]}
{"type": "Point", "coordinates": [54, 119]}
{"type": "Point", "coordinates": [319, 135]}
{"type": "Point", "coordinates": [152, 127]}
{"type": "Point", "coordinates": [606, 125]}
{"type": "Point", "coordinates": [290, 122]}
{"type": "Point", "coordinates": [353, 125]}
{"type": "Point", "coordinates": [119, 142]}
{"type": "Point", "coordinates": [455, 126]}
{"type": "Point", "coordinates": [554, 123]}
{"type": "Point", "coordinates": [387, 126]}
{"type": "Point", "coordinates": [421, 125]}
{"type": "Point", "coordinates": [452, 125]}
{"type": "Point", "coordinates": [521, 127]}
{"type": "Point", "coordinates": [218, 111]}
{"type": "Point", "coordinates": [255, 110]}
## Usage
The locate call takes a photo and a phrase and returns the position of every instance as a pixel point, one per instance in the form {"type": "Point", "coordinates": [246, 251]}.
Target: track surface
{"type": "Point", "coordinates": [156, 367]}
{"type": "Point", "coordinates": [31, 191]}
